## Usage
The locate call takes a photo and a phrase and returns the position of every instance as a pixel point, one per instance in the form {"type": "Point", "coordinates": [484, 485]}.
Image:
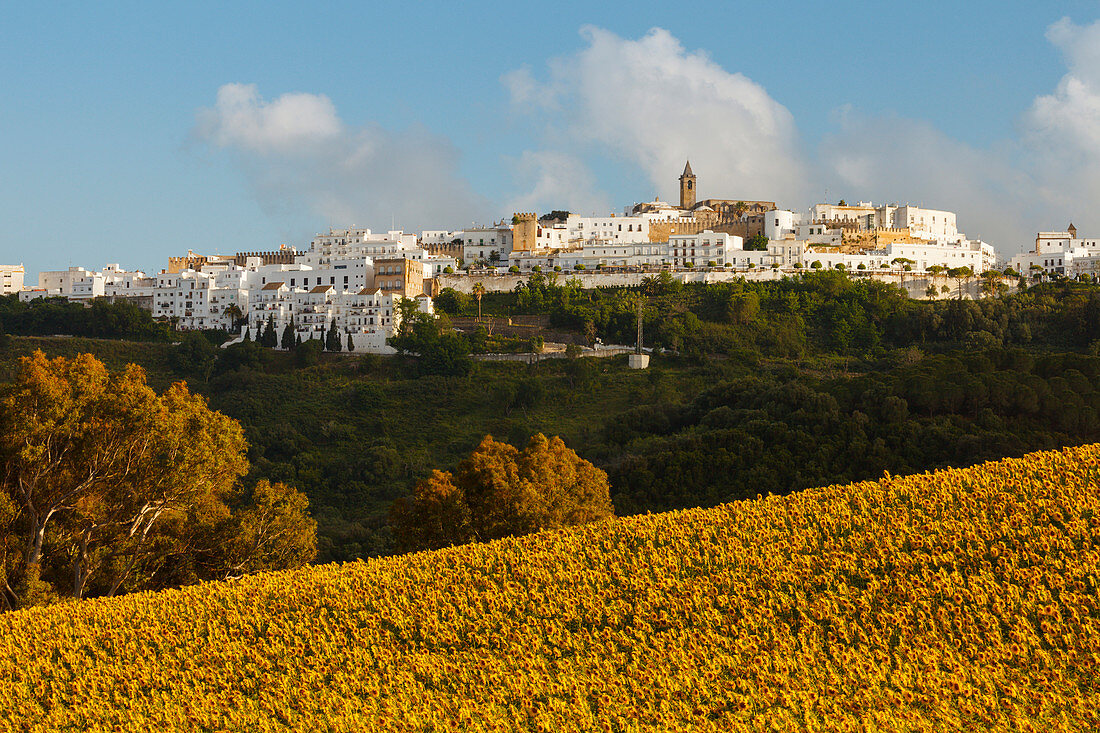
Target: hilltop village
{"type": "Point", "coordinates": [352, 279]}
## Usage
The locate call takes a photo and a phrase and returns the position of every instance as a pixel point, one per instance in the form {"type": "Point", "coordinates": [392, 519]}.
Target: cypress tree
{"type": "Point", "coordinates": [332, 340]}
{"type": "Point", "coordinates": [351, 344]}
{"type": "Point", "coordinates": [287, 341]}
{"type": "Point", "coordinates": [269, 339]}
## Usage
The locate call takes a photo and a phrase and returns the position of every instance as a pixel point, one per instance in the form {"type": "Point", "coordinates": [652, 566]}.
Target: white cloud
{"type": "Point", "coordinates": [240, 118]}
{"type": "Point", "coordinates": [522, 87]}
{"type": "Point", "coordinates": [890, 159]}
{"type": "Point", "coordinates": [555, 180]}
{"type": "Point", "coordinates": [1004, 193]}
{"type": "Point", "coordinates": [1062, 129]}
{"type": "Point", "coordinates": [300, 157]}
{"type": "Point", "coordinates": [650, 102]}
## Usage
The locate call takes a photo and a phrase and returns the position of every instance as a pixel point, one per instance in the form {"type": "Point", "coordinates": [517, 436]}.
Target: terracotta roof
{"type": "Point", "coordinates": [321, 288]}
{"type": "Point", "coordinates": [273, 286]}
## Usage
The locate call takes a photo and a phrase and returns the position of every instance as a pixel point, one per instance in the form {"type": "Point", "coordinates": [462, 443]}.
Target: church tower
{"type": "Point", "coordinates": [687, 188]}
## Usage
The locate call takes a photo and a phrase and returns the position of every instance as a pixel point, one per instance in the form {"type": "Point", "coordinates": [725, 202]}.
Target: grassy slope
{"type": "Point", "coordinates": [963, 599]}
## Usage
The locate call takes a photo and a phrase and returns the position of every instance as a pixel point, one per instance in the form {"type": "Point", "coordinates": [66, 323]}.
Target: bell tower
{"type": "Point", "coordinates": [687, 188]}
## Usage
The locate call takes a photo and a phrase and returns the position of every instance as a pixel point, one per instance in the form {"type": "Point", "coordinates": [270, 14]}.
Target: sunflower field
{"type": "Point", "coordinates": [956, 600]}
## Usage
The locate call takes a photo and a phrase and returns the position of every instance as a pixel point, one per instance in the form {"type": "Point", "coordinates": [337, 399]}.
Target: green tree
{"type": "Point", "coordinates": [500, 491]}
{"type": "Point", "coordinates": [286, 341]}
{"type": "Point", "coordinates": [757, 242]}
{"type": "Point", "coordinates": [451, 301]}
{"type": "Point", "coordinates": [109, 487]}
{"type": "Point", "coordinates": [332, 338]}
{"type": "Point", "coordinates": [269, 339]}
{"type": "Point", "coordinates": [959, 275]}
{"type": "Point", "coordinates": [991, 281]}
{"type": "Point", "coordinates": [272, 531]}
{"type": "Point", "coordinates": [479, 291]}
{"type": "Point", "coordinates": [235, 316]}
{"type": "Point", "coordinates": [194, 355]}
{"type": "Point", "coordinates": [289, 334]}
{"type": "Point", "coordinates": [351, 344]}
{"type": "Point", "coordinates": [308, 352]}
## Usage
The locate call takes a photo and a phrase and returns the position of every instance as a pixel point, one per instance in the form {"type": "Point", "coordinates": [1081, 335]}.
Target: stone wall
{"type": "Point", "coordinates": [659, 231]}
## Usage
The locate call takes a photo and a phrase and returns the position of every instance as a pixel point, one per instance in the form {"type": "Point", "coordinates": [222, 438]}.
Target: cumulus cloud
{"type": "Point", "coordinates": [1062, 129]}
{"type": "Point", "coordinates": [651, 104]}
{"type": "Point", "coordinates": [1039, 180]}
{"type": "Point", "coordinates": [888, 159]}
{"type": "Point", "coordinates": [554, 180]}
{"type": "Point", "coordinates": [298, 155]}
{"type": "Point", "coordinates": [654, 104]}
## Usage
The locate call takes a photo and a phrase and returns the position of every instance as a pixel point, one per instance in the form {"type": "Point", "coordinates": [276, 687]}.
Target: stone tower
{"type": "Point", "coordinates": [687, 188]}
{"type": "Point", "coordinates": [525, 229]}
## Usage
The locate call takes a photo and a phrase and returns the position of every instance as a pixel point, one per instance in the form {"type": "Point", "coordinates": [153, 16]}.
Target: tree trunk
{"type": "Point", "coordinates": [80, 559]}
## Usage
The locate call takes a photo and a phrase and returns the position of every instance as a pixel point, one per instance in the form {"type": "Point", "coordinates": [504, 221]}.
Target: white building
{"type": "Point", "coordinates": [367, 317]}
{"type": "Point", "coordinates": [975, 254]}
{"type": "Point", "coordinates": [780, 224]}
{"type": "Point", "coordinates": [922, 223]}
{"type": "Point", "coordinates": [700, 250]}
{"type": "Point", "coordinates": [342, 244]}
{"type": "Point", "coordinates": [485, 244]}
{"type": "Point", "coordinates": [11, 279]}
{"type": "Point", "coordinates": [1060, 253]}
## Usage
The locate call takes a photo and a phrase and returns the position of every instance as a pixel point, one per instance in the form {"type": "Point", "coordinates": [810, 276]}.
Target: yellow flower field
{"type": "Point", "coordinates": [958, 600]}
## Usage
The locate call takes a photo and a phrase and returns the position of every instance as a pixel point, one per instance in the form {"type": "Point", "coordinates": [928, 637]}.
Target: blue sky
{"type": "Point", "coordinates": [132, 131]}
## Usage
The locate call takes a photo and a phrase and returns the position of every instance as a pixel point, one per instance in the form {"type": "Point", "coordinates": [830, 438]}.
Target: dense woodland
{"type": "Point", "coordinates": [763, 387]}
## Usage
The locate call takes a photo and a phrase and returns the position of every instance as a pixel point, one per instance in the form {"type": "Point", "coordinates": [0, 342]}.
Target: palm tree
{"type": "Point", "coordinates": [479, 290]}
{"type": "Point", "coordinates": [233, 313]}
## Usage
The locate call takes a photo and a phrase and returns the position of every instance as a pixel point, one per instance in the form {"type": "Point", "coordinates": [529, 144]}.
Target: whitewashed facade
{"type": "Point", "coordinates": [11, 279]}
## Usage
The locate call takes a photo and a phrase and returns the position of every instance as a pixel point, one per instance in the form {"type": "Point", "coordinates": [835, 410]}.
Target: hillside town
{"type": "Point", "coordinates": [352, 279]}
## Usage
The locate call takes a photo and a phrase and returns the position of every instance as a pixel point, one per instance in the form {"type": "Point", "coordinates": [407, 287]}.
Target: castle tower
{"type": "Point", "coordinates": [687, 188]}
{"type": "Point", "coordinates": [525, 229]}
